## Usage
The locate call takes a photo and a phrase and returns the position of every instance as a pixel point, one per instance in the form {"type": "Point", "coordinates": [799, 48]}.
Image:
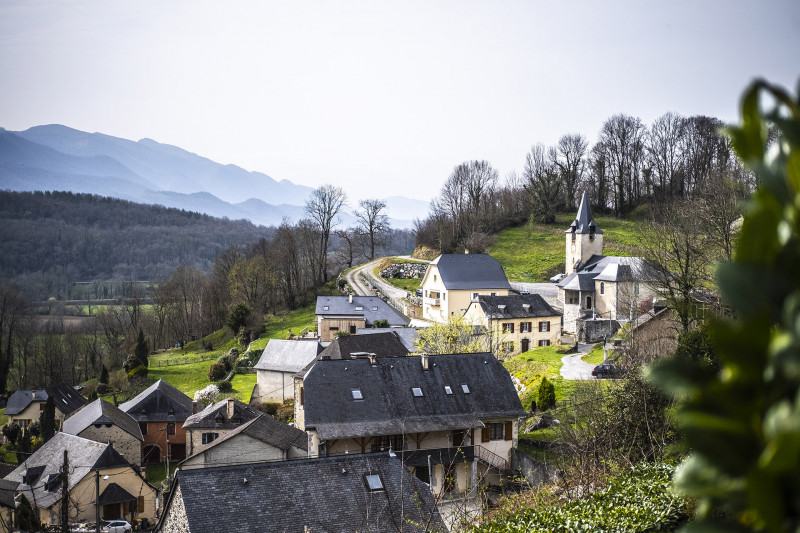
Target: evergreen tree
{"type": "Point", "coordinates": [547, 395]}
{"type": "Point", "coordinates": [141, 352]}
{"type": "Point", "coordinates": [238, 318]}
{"type": "Point", "coordinates": [103, 375]}
{"type": "Point", "coordinates": [47, 420]}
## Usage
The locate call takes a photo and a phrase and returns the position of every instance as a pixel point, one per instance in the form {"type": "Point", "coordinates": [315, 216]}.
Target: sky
{"type": "Point", "coordinates": [381, 98]}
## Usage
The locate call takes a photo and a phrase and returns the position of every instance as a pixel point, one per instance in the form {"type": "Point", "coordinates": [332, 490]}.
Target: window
{"type": "Point", "coordinates": [209, 437]}
{"type": "Point", "coordinates": [636, 288]}
{"type": "Point", "coordinates": [374, 482]}
{"type": "Point", "coordinates": [492, 294]}
{"type": "Point", "coordinates": [359, 308]}
{"type": "Point", "coordinates": [509, 346]}
{"type": "Point", "coordinates": [374, 307]}
{"type": "Point", "coordinates": [417, 392]}
{"type": "Point", "coordinates": [475, 295]}
{"type": "Point", "coordinates": [508, 327]}
{"type": "Point", "coordinates": [544, 326]}
{"type": "Point", "coordinates": [352, 330]}
{"type": "Point", "coordinates": [382, 443]}
{"type": "Point", "coordinates": [302, 396]}
{"type": "Point", "coordinates": [572, 299]}
{"type": "Point", "coordinates": [357, 394]}
{"type": "Point", "coordinates": [334, 328]}
{"type": "Point", "coordinates": [525, 327]}
{"type": "Point", "coordinates": [465, 388]}
{"type": "Point", "coordinates": [588, 302]}
{"type": "Point", "coordinates": [448, 390]}
{"type": "Point", "coordinates": [544, 342]}
{"type": "Point", "coordinates": [143, 427]}
{"type": "Point", "coordinates": [170, 428]}
{"type": "Point", "coordinates": [497, 431]}
{"type": "Point", "coordinates": [434, 277]}
{"type": "Point", "coordinates": [41, 407]}
{"type": "Point", "coordinates": [602, 288]}
{"type": "Point", "coordinates": [324, 307]}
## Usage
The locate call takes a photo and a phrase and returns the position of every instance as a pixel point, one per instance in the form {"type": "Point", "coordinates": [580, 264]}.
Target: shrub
{"type": "Point", "coordinates": [224, 386]}
{"type": "Point", "coordinates": [342, 334]}
{"type": "Point", "coordinates": [140, 372]}
{"type": "Point", "coordinates": [217, 371]}
{"type": "Point", "coordinates": [270, 408]}
{"type": "Point", "coordinates": [102, 388]}
{"type": "Point", "coordinates": [380, 323]}
{"type": "Point", "coordinates": [285, 412]}
{"type": "Point", "coordinates": [547, 395]}
{"type": "Point", "coordinates": [207, 395]}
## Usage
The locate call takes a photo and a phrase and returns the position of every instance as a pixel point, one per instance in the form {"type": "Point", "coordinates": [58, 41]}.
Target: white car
{"type": "Point", "coordinates": [116, 526]}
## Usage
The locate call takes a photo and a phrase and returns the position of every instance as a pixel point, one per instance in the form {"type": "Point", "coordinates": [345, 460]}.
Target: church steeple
{"type": "Point", "coordinates": [584, 238]}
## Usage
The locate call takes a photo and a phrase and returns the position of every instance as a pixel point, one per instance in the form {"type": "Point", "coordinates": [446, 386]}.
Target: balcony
{"type": "Point", "coordinates": [433, 301]}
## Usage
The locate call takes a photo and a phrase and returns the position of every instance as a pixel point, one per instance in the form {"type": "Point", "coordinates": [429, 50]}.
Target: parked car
{"type": "Point", "coordinates": [116, 526]}
{"type": "Point", "coordinates": [606, 370]}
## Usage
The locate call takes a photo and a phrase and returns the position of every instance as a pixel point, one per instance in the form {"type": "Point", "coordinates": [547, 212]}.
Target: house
{"type": "Point", "coordinates": [364, 493]}
{"type": "Point", "coordinates": [388, 344]}
{"type": "Point", "coordinates": [260, 439]}
{"type": "Point", "coordinates": [462, 410]}
{"type": "Point", "coordinates": [215, 421]}
{"type": "Point", "coordinates": [348, 313]}
{"type": "Point", "coordinates": [8, 505]}
{"type": "Point", "coordinates": [279, 361]}
{"type": "Point", "coordinates": [408, 336]}
{"type": "Point", "coordinates": [517, 322]}
{"type": "Point", "coordinates": [25, 406]}
{"type": "Point", "coordinates": [599, 292]}
{"type": "Point", "coordinates": [452, 281]}
{"type": "Point", "coordinates": [161, 410]}
{"type": "Point", "coordinates": [123, 492]}
{"type": "Point", "coordinates": [104, 422]}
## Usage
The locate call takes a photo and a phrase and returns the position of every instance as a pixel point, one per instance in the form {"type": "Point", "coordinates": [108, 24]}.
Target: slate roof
{"type": "Point", "coordinates": [282, 355]}
{"type": "Point", "coordinates": [470, 271]}
{"type": "Point", "coordinates": [267, 430]}
{"type": "Point", "coordinates": [372, 308]}
{"type": "Point", "coordinates": [388, 406]}
{"type": "Point", "coordinates": [584, 220]}
{"type": "Point", "coordinates": [66, 399]}
{"type": "Point", "coordinates": [84, 457]}
{"type": "Point", "coordinates": [207, 418]}
{"type": "Point", "coordinates": [407, 336]}
{"type": "Point", "coordinates": [102, 412]}
{"type": "Point", "coordinates": [113, 493]}
{"type": "Point", "coordinates": [153, 404]}
{"type": "Point", "coordinates": [606, 268]}
{"type": "Point", "coordinates": [381, 344]}
{"type": "Point", "coordinates": [7, 492]}
{"type": "Point", "coordinates": [514, 306]}
{"type": "Point", "coordinates": [323, 495]}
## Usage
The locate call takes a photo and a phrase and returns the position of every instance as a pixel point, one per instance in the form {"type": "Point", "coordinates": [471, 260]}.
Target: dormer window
{"type": "Point", "coordinates": [219, 419]}
{"type": "Point", "coordinates": [357, 396]}
{"type": "Point", "coordinates": [417, 392]}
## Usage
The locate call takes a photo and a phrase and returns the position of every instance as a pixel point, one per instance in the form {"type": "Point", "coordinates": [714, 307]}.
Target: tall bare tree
{"type": "Point", "coordinates": [571, 159]}
{"type": "Point", "coordinates": [622, 142]}
{"type": "Point", "coordinates": [664, 152]}
{"type": "Point", "coordinates": [322, 208]}
{"type": "Point", "coordinates": [372, 222]}
{"type": "Point", "coordinates": [14, 307]}
{"type": "Point", "coordinates": [542, 182]}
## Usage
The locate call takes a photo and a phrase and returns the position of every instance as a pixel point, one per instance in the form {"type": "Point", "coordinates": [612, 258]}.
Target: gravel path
{"type": "Point", "coordinates": [573, 367]}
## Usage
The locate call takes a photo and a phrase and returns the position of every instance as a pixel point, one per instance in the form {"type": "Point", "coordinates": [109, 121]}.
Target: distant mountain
{"type": "Point", "coordinates": [58, 158]}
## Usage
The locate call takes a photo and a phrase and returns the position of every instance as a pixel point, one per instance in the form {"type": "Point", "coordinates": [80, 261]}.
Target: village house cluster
{"type": "Point", "coordinates": [381, 433]}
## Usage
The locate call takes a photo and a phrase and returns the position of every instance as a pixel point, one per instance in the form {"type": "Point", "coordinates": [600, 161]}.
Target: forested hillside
{"type": "Point", "coordinates": [51, 240]}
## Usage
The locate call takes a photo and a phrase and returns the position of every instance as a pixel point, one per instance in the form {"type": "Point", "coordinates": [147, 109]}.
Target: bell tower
{"type": "Point", "coordinates": [584, 238]}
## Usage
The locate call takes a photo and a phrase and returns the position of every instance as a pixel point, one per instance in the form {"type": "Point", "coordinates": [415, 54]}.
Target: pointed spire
{"type": "Point", "coordinates": [584, 222]}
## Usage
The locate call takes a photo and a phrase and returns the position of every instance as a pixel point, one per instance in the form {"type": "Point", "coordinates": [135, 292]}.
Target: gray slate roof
{"type": "Point", "coordinates": [66, 399]}
{"type": "Point", "coordinates": [282, 355]}
{"type": "Point", "coordinates": [267, 430]}
{"type": "Point", "coordinates": [102, 412]}
{"type": "Point", "coordinates": [407, 336]}
{"type": "Point", "coordinates": [153, 404]}
{"type": "Point", "coordinates": [20, 400]}
{"type": "Point", "coordinates": [388, 407]}
{"type": "Point", "coordinates": [7, 492]}
{"type": "Point", "coordinates": [371, 308]}
{"type": "Point", "coordinates": [324, 495]}
{"type": "Point", "coordinates": [470, 271]}
{"type": "Point", "coordinates": [514, 306]}
{"type": "Point", "coordinates": [606, 268]}
{"type": "Point", "coordinates": [207, 418]}
{"type": "Point", "coordinates": [381, 344]}
{"type": "Point", "coordinates": [84, 456]}
{"type": "Point", "coordinates": [584, 221]}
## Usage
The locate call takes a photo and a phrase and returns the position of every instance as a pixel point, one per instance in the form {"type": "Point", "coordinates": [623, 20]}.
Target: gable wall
{"type": "Point", "coordinates": [239, 449]}
{"type": "Point", "coordinates": [175, 520]}
{"type": "Point", "coordinates": [274, 386]}
{"type": "Point", "coordinates": [126, 444]}
{"type": "Point", "coordinates": [324, 326]}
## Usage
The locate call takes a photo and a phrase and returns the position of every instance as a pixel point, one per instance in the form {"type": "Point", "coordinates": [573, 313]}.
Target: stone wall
{"type": "Point", "coordinates": [536, 474]}
{"type": "Point", "coordinates": [175, 520]}
{"type": "Point", "coordinates": [594, 329]}
{"type": "Point", "coordinates": [126, 444]}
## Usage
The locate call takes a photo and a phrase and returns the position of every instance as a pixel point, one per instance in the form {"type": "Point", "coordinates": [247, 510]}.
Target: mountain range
{"type": "Point", "coordinates": [59, 158]}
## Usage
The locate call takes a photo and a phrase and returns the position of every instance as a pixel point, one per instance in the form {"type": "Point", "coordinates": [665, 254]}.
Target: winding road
{"type": "Point", "coordinates": [354, 279]}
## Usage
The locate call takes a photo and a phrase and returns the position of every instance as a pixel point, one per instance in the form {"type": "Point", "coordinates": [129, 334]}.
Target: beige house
{"type": "Point", "coordinates": [123, 492]}
{"type": "Point", "coordinates": [516, 323]}
{"type": "Point", "coordinates": [599, 292]}
{"type": "Point", "coordinates": [453, 281]}
{"type": "Point", "coordinates": [278, 363]}
{"type": "Point", "coordinates": [451, 418]}
{"type": "Point", "coordinates": [261, 439]}
{"type": "Point", "coordinates": [216, 421]}
{"type": "Point", "coordinates": [26, 405]}
{"type": "Point", "coordinates": [104, 422]}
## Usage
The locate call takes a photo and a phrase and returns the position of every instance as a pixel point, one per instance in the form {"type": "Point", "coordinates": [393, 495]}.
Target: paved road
{"type": "Point", "coordinates": [548, 291]}
{"type": "Point", "coordinates": [354, 279]}
{"type": "Point", "coordinates": [572, 366]}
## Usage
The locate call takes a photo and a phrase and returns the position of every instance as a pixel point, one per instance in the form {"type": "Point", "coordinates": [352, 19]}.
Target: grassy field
{"type": "Point", "coordinates": [530, 367]}
{"type": "Point", "coordinates": [408, 285]}
{"type": "Point", "coordinates": [535, 253]}
{"type": "Point", "coordinates": [595, 356]}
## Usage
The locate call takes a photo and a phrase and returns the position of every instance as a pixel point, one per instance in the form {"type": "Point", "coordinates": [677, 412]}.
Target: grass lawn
{"type": "Point", "coordinates": [408, 284]}
{"type": "Point", "coordinates": [530, 367]}
{"type": "Point", "coordinates": [3, 417]}
{"type": "Point", "coordinates": [535, 253]}
{"type": "Point", "coordinates": [157, 472]}
{"type": "Point", "coordinates": [595, 355]}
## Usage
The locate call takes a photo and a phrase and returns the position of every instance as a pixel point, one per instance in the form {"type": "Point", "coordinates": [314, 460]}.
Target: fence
{"type": "Point", "coordinates": [185, 360]}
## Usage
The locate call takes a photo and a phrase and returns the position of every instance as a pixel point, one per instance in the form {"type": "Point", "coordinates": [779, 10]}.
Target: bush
{"type": "Point", "coordinates": [285, 412]}
{"type": "Point", "coordinates": [102, 388]}
{"type": "Point", "coordinates": [380, 323]}
{"type": "Point", "coordinates": [140, 372]}
{"type": "Point", "coordinates": [217, 371]}
{"type": "Point", "coordinates": [229, 359]}
{"type": "Point", "coordinates": [270, 408]}
{"type": "Point", "coordinates": [224, 386]}
{"type": "Point", "coordinates": [342, 334]}
{"type": "Point", "coordinates": [547, 395]}
{"type": "Point", "coordinates": [207, 395]}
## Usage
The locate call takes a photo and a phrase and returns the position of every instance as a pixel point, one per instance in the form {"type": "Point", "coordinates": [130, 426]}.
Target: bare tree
{"type": "Point", "coordinates": [322, 208]}
{"type": "Point", "coordinates": [664, 152]}
{"type": "Point", "coordinates": [542, 182]}
{"type": "Point", "coordinates": [571, 159]}
{"type": "Point", "coordinates": [14, 307]}
{"type": "Point", "coordinates": [372, 221]}
{"type": "Point", "coordinates": [622, 143]}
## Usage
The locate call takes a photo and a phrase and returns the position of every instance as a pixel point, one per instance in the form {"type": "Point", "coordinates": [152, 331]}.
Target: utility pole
{"type": "Point", "coordinates": [97, 499]}
{"type": "Point", "coordinates": [65, 495]}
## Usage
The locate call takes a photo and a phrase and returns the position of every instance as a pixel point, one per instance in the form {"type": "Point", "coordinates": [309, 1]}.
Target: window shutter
{"type": "Point", "coordinates": [141, 504]}
{"type": "Point", "coordinates": [512, 327]}
{"type": "Point", "coordinates": [530, 326]}
{"type": "Point", "coordinates": [509, 430]}
{"type": "Point", "coordinates": [485, 435]}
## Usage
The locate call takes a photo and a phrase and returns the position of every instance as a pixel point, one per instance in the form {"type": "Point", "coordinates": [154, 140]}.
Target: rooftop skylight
{"type": "Point", "coordinates": [417, 392]}
{"type": "Point", "coordinates": [357, 394]}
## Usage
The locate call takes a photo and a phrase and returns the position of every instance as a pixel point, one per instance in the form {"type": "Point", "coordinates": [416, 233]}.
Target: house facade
{"type": "Point", "coordinates": [123, 492]}
{"type": "Point", "coordinates": [104, 422]}
{"type": "Point", "coordinates": [516, 323]}
{"type": "Point", "coordinates": [452, 418]}
{"type": "Point", "coordinates": [26, 405]}
{"type": "Point", "coordinates": [216, 421]}
{"type": "Point", "coordinates": [160, 410]}
{"type": "Point", "coordinates": [278, 363]}
{"type": "Point", "coordinates": [599, 292]}
{"type": "Point", "coordinates": [453, 281]}
{"type": "Point", "coordinates": [349, 313]}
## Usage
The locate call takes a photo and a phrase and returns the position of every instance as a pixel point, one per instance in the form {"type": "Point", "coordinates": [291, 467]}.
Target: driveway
{"type": "Point", "coordinates": [362, 289]}
{"type": "Point", "coordinates": [572, 367]}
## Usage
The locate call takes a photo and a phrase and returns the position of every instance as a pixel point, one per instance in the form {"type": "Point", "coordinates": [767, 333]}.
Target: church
{"type": "Point", "coordinates": [599, 293]}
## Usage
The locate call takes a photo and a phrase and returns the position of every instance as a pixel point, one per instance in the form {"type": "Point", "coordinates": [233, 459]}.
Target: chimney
{"type": "Point", "coordinates": [230, 408]}
{"type": "Point", "coordinates": [423, 357]}
{"type": "Point", "coordinates": [194, 407]}
{"type": "Point", "coordinates": [372, 359]}
{"type": "Point", "coordinates": [351, 298]}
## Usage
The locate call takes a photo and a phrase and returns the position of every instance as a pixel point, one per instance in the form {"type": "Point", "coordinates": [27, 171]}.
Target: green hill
{"type": "Point", "coordinates": [536, 252]}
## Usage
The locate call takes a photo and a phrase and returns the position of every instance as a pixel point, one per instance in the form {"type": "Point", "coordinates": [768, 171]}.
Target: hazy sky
{"type": "Point", "coordinates": [382, 98]}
